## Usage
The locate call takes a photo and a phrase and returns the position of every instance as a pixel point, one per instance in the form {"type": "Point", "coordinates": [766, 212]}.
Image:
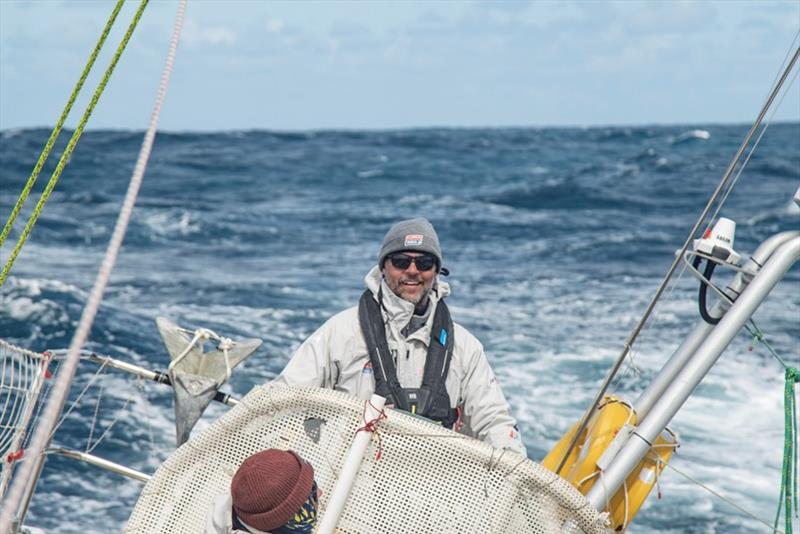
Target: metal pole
{"type": "Point", "coordinates": [687, 349]}
{"type": "Point", "coordinates": [651, 306]}
{"type": "Point", "coordinates": [30, 487]}
{"type": "Point", "coordinates": [101, 463]}
{"type": "Point", "coordinates": [694, 371]}
{"type": "Point", "coordinates": [155, 376]}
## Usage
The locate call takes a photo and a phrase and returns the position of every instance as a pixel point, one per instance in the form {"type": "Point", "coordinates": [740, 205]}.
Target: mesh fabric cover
{"type": "Point", "coordinates": [428, 479]}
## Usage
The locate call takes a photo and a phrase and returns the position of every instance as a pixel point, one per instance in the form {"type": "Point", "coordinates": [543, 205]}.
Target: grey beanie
{"type": "Point", "coordinates": [415, 235]}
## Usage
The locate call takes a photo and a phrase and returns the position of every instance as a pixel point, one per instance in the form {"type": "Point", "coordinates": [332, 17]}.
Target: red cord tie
{"type": "Point", "coordinates": [459, 424]}
{"type": "Point", "coordinates": [46, 364]}
{"type": "Point", "coordinates": [14, 456]}
{"type": "Point", "coordinates": [371, 426]}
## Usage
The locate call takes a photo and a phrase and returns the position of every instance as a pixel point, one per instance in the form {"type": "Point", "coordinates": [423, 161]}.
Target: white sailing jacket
{"type": "Point", "coordinates": [335, 356]}
{"type": "Point", "coordinates": [220, 519]}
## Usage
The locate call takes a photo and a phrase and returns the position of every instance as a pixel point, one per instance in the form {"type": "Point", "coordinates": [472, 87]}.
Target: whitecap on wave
{"type": "Point", "coordinates": [370, 173]}
{"type": "Point", "coordinates": [11, 132]}
{"type": "Point", "coordinates": [172, 222]}
{"type": "Point", "coordinates": [23, 300]}
{"type": "Point", "coordinates": [790, 210]}
{"type": "Point", "coordinates": [692, 134]}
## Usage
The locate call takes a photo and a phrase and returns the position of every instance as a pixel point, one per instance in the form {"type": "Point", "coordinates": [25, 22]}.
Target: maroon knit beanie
{"type": "Point", "coordinates": [270, 487]}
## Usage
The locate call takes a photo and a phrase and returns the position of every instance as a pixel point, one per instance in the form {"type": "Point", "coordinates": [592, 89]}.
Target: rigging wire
{"type": "Point", "coordinates": [729, 188]}
{"type": "Point", "coordinates": [722, 498]}
{"type": "Point", "coordinates": [764, 129]}
{"type": "Point", "coordinates": [665, 281]}
{"type": "Point", "coordinates": [752, 150]}
{"type": "Point", "coordinates": [26, 476]}
{"type": "Point", "coordinates": [648, 328]}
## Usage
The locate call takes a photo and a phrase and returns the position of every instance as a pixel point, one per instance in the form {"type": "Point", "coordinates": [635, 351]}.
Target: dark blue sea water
{"type": "Point", "coordinates": [556, 240]}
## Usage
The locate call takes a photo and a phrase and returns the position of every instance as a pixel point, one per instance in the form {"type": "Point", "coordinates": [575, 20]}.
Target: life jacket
{"type": "Point", "coordinates": [431, 399]}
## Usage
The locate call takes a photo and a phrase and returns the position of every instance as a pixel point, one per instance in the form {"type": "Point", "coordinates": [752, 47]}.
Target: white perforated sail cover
{"type": "Point", "coordinates": [428, 479]}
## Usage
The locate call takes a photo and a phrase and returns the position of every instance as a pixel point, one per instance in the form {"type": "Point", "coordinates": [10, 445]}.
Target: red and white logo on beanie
{"type": "Point", "coordinates": [413, 240]}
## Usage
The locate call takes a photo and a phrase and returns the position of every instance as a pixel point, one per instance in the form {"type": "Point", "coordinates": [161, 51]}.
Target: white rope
{"type": "Point", "coordinates": [94, 420]}
{"type": "Point", "coordinates": [60, 389]}
{"type": "Point", "coordinates": [110, 426]}
{"type": "Point", "coordinates": [200, 335]}
{"type": "Point", "coordinates": [224, 345]}
{"type": "Point", "coordinates": [77, 400]}
{"type": "Point", "coordinates": [20, 350]}
{"type": "Point", "coordinates": [141, 385]}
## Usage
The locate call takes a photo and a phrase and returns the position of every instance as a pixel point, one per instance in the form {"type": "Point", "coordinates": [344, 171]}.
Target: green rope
{"type": "Point", "coordinates": [788, 497]}
{"type": "Point", "coordinates": [787, 501]}
{"type": "Point", "coordinates": [71, 145]}
{"type": "Point", "coordinates": [57, 130]}
{"type": "Point", "coordinates": [758, 337]}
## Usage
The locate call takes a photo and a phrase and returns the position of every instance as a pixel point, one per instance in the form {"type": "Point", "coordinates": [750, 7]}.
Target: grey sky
{"type": "Point", "coordinates": [308, 65]}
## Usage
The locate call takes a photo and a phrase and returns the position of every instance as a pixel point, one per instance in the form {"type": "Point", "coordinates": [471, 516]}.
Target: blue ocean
{"type": "Point", "coordinates": [556, 239]}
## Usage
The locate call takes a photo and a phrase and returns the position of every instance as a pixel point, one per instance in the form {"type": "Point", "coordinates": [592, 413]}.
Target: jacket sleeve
{"type": "Point", "coordinates": [311, 364]}
{"type": "Point", "coordinates": [485, 410]}
{"type": "Point", "coordinates": [219, 520]}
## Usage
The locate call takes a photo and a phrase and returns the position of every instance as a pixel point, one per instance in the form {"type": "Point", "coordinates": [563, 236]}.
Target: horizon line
{"type": "Point", "coordinates": [325, 129]}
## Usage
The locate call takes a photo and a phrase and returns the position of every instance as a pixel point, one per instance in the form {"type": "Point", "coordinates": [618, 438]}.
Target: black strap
{"type": "Point", "coordinates": [386, 383]}
{"type": "Point", "coordinates": [431, 399]}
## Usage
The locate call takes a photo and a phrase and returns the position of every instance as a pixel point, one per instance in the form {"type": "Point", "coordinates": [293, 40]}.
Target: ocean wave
{"type": "Point", "coordinates": [788, 212]}
{"type": "Point", "coordinates": [647, 154]}
{"type": "Point", "coordinates": [557, 196]}
{"type": "Point", "coordinates": [691, 135]}
{"type": "Point", "coordinates": [172, 223]}
{"type": "Point", "coordinates": [775, 167]}
{"type": "Point", "coordinates": [557, 239]}
{"type": "Point", "coordinates": [370, 173]}
{"type": "Point", "coordinates": [11, 133]}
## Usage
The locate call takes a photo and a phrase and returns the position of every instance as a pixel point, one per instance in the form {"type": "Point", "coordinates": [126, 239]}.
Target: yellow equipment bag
{"type": "Point", "coordinates": [581, 469]}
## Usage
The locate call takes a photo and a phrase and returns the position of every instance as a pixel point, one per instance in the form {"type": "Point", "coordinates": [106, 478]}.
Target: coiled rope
{"type": "Point", "coordinates": [25, 476]}
{"type": "Point", "coordinates": [788, 496]}
{"type": "Point", "coordinates": [787, 501]}
{"type": "Point", "coordinates": [76, 135]}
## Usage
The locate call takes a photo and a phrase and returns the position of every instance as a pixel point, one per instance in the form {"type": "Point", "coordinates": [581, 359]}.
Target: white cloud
{"type": "Point", "coordinates": [195, 35]}
{"type": "Point", "coordinates": [275, 25]}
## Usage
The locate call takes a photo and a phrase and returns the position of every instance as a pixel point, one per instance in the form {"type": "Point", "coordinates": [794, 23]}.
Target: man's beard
{"type": "Point", "coordinates": [421, 297]}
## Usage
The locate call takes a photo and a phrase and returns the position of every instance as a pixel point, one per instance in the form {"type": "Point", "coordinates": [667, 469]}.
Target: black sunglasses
{"type": "Point", "coordinates": [425, 262]}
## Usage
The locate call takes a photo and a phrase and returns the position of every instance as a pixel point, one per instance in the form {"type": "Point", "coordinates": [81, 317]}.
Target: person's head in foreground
{"type": "Point", "coordinates": [274, 491]}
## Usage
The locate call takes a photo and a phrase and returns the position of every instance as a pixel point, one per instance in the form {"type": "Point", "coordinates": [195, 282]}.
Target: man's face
{"type": "Point", "coordinates": [409, 284]}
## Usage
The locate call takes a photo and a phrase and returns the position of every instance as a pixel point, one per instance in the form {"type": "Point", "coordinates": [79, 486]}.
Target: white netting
{"type": "Point", "coordinates": [21, 379]}
{"type": "Point", "coordinates": [428, 479]}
